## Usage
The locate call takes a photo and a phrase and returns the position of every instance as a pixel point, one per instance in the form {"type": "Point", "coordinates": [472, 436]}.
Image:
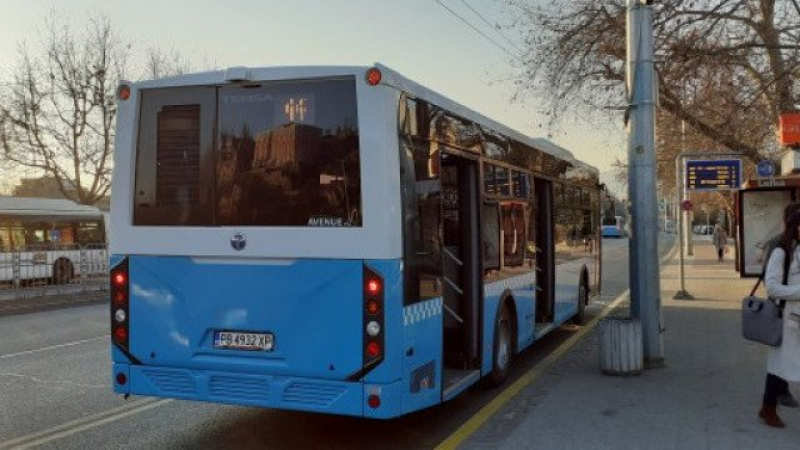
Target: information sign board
{"type": "Point", "coordinates": [713, 174]}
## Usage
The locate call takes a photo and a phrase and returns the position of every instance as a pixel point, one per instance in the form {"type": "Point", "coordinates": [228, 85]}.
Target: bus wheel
{"type": "Point", "coordinates": [583, 298]}
{"type": "Point", "coordinates": [503, 348]}
{"type": "Point", "coordinates": [63, 271]}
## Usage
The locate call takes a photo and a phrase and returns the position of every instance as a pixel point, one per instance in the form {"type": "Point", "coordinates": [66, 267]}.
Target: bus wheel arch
{"type": "Point", "coordinates": [504, 341]}
{"type": "Point", "coordinates": [583, 297]}
{"type": "Point", "coordinates": [63, 271]}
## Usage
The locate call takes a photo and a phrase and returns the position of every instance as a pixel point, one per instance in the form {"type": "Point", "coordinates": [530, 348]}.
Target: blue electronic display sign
{"type": "Point", "coordinates": [713, 174]}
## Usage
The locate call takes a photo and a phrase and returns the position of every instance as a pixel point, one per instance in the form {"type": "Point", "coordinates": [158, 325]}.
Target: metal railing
{"type": "Point", "coordinates": [47, 269]}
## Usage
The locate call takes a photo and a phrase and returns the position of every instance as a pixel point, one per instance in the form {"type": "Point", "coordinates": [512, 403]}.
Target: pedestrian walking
{"type": "Point", "coordinates": [720, 239]}
{"type": "Point", "coordinates": [786, 398]}
{"type": "Point", "coordinates": [783, 362]}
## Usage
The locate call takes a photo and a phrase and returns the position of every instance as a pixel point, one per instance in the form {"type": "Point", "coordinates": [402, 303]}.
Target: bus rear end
{"type": "Point", "coordinates": [254, 257]}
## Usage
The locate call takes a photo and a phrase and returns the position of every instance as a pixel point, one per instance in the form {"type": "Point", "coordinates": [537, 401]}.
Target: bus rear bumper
{"type": "Point", "coordinates": [295, 393]}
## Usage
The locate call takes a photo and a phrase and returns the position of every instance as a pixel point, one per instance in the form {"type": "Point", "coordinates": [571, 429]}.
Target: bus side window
{"type": "Point", "coordinates": [422, 204]}
{"type": "Point", "coordinates": [513, 234]}
{"type": "Point", "coordinates": [491, 236]}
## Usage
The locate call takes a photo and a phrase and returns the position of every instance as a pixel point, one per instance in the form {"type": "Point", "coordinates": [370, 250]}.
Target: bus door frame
{"type": "Point", "coordinates": [469, 177]}
{"type": "Point", "coordinates": [545, 247]}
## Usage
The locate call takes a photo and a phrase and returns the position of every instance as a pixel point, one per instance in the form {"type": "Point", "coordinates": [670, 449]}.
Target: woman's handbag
{"type": "Point", "coordinates": [762, 319]}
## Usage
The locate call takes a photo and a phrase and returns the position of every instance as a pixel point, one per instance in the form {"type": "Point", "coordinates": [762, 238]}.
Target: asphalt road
{"type": "Point", "coordinates": [55, 393]}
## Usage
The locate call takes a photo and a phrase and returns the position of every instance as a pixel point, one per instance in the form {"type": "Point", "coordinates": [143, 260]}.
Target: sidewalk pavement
{"type": "Point", "coordinates": [707, 397]}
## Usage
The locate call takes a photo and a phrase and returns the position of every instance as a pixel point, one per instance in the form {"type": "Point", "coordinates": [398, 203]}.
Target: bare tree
{"type": "Point", "coordinates": [725, 67]}
{"type": "Point", "coordinates": [161, 64]}
{"type": "Point", "coordinates": [57, 113]}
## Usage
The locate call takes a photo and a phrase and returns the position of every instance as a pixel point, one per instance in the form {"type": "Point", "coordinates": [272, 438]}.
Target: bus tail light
{"type": "Point", "coordinates": [373, 324]}
{"type": "Point", "coordinates": [120, 305]}
{"type": "Point", "coordinates": [374, 401]}
{"type": "Point", "coordinates": [373, 349]}
{"type": "Point", "coordinates": [124, 92]}
{"type": "Point", "coordinates": [374, 76]}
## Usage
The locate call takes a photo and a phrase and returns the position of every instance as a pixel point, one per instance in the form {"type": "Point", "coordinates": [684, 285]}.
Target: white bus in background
{"type": "Point", "coordinates": [50, 241]}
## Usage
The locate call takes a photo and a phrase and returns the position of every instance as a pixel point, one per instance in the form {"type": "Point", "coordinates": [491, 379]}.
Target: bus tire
{"type": "Point", "coordinates": [502, 348]}
{"type": "Point", "coordinates": [63, 271]}
{"type": "Point", "coordinates": [583, 298]}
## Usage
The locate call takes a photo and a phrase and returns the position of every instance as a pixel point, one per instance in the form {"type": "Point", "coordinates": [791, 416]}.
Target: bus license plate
{"type": "Point", "coordinates": [235, 340]}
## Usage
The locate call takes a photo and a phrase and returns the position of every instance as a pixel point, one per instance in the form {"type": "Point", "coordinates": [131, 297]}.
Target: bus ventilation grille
{"type": "Point", "coordinates": [175, 382]}
{"type": "Point", "coordinates": [242, 388]}
{"type": "Point", "coordinates": [312, 394]}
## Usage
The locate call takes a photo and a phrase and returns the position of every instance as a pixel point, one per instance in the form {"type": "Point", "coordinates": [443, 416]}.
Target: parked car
{"type": "Point", "coordinates": [612, 231]}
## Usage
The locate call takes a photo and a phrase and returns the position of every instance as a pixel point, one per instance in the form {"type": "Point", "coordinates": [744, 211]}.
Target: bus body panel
{"type": "Point", "coordinates": [304, 394]}
{"type": "Point", "coordinates": [566, 303]}
{"type": "Point", "coordinates": [176, 305]}
{"type": "Point", "coordinates": [292, 393]}
{"type": "Point", "coordinates": [313, 308]}
{"type": "Point", "coordinates": [525, 301]}
{"type": "Point", "coordinates": [422, 350]}
{"type": "Point", "coordinates": [491, 305]}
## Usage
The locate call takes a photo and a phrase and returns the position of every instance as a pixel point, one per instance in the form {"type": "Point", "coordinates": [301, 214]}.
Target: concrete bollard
{"type": "Point", "coordinates": [621, 350]}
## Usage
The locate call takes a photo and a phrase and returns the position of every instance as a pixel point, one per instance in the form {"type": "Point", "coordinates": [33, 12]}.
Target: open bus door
{"type": "Point", "coordinates": [461, 273]}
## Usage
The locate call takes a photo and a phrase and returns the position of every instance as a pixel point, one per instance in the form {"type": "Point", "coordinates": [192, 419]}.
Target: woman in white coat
{"type": "Point", "coordinates": [783, 363]}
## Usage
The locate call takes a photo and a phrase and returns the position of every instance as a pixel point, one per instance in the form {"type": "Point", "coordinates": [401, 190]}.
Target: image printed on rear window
{"type": "Point", "coordinates": [288, 155]}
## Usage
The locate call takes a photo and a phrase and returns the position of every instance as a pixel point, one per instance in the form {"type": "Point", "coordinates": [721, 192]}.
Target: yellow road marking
{"type": "Point", "coordinates": [475, 422]}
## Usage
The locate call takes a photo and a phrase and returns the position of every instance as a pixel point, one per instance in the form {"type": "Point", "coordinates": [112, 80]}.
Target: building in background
{"type": "Point", "coordinates": [47, 187]}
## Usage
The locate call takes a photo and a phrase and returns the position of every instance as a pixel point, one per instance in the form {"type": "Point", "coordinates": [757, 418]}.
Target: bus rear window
{"type": "Point", "coordinates": [277, 154]}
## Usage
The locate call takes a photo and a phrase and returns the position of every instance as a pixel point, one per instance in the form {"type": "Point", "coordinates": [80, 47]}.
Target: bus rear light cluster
{"type": "Point", "coordinates": [373, 318]}
{"type": "Point", "coordinates": [120, 297]}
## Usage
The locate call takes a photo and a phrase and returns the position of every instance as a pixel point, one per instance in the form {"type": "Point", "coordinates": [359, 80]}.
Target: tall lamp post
{"type": "Point", "coordinates": [644, 266]}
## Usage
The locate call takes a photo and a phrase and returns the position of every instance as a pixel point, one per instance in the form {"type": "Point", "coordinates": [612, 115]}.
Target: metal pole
{"type": "Point", "coordinates": [644, 274]}
{"type": "Point", "coordinates": [682, 293]}
{"type": "Point", "coordinates": [688, 214]}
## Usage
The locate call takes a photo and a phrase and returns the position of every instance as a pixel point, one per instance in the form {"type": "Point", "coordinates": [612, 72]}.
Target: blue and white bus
{"type": "Point", "coordinates": [335, 239]}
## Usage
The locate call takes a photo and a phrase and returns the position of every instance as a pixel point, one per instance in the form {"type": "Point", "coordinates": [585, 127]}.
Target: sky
{"type": "Point", "coordinates": [418, 38]}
